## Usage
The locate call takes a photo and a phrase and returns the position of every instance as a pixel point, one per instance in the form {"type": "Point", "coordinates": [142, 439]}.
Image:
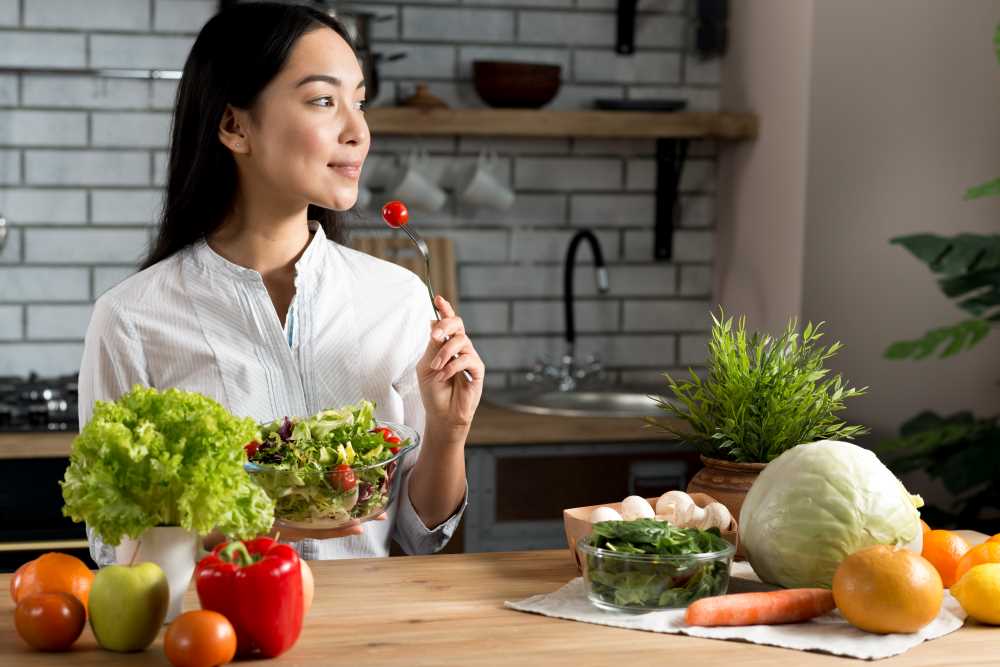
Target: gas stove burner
{"type": "Point", "coordinates": [38, 403]}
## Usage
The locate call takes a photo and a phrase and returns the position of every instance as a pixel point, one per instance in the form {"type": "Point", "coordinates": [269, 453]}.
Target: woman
{"type": "Point", "coordinates": [247, 295]}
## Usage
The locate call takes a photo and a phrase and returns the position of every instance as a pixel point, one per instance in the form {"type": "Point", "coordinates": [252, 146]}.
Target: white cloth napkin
{"type": "Point", "coordinates": [829, 633]}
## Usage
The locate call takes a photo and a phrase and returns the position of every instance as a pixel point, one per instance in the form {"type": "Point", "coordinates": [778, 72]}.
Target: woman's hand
{"type": "Point", "coordinates": [449, 399]}
{"type": "Point", "coordinates": [293, 535]}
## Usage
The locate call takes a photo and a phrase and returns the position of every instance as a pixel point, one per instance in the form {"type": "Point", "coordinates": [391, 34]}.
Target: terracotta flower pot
{"type": "Point", "coordinates": [726, 481]}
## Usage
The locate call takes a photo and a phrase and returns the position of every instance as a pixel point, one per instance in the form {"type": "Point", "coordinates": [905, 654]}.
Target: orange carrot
{"type": "Point", "coordinates": [789, 606]}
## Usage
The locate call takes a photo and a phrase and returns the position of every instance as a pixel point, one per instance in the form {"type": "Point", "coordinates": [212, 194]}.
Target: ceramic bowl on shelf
{"type": "Point", "coordinates": [515, 85]}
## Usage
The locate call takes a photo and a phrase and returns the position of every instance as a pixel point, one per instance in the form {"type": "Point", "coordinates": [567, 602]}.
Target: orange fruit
{"type": "Point", "coordinates": [925, 527]}
{"type": "Point", "coordinates": [887, 589]}
{"type": "Point", "coordinates": [987, 552]}
{"type": "Point", "coordinates": [995, 538]}
{"type": "Point", "coordinates": [56, 573]}
{"type": "Point", "coordinates": [944, 549]}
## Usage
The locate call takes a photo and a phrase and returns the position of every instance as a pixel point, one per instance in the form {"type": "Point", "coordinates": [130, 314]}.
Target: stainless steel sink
{"type": "Point", "coordinates": [585, 402]}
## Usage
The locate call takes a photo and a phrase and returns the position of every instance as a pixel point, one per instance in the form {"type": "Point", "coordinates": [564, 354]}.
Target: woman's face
{"type": "Point", "coordinates": [308, 137]}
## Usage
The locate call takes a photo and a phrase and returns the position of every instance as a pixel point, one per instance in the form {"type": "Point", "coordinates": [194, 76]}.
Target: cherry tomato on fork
{"type": "Point", "coordinates": [395, 214]}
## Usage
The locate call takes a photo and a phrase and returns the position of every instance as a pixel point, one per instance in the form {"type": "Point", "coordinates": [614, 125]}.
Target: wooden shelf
{"type": "Point", "coordinates": [542, 123]}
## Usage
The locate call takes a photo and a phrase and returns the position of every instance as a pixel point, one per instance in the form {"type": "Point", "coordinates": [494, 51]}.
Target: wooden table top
{"type": "Point", "coordinates": [448, 610]}
{"type": "Point", "coordinates": [493, 425]}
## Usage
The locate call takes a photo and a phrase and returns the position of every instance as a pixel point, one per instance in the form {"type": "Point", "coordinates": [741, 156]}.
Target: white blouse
{"type": "Point", "coordinates": [198, 322]}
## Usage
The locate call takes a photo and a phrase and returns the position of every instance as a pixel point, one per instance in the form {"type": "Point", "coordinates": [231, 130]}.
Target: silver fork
{"type": "Point", "coordinates": [426, 253]}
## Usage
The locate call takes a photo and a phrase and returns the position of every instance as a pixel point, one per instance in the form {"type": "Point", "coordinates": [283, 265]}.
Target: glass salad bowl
{"type": "Point", "coordinates": [323, 485]}
{"type": "Point", "coordinates": [632, 582]}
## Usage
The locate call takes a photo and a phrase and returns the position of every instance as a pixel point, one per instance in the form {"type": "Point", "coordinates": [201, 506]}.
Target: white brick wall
{"type": "Point", "coordinates": [27, 284]}
{"type": "Point", "coordinates": [10, 167]}
{"type": "Point", "coordinates": [613, 210]}
{"type": "Point", "coordinates": [598, 29]}
{"type": "Point", "coordinates": [8, 89]}
{"type": "Point", "coordinates": [148, 130]}
{"type": "Point", "coordinates": [486, 317]}
{"type": "Point", "coordinates": [85, 246]}
{"type": "Point", "coordinates": [11, 251]}
{"type": "Point", "coordinates": [546, 281]}
{"type": "Point", "coordinates": [466, 25]}
{"type": "Point", "coordinates": [667, 315]}
{"type": "Point", "coordinates": [83, 91]}
{"type": "Point", "coordinates": [183, 15]}
{"type": "Point", "coordinates": [58, 322]}
{"type": "Point", "coordinates": [92, 14]}
{"type": "Point", "coordinates": [551, 247]}
{"type": "Point", "coordinates": [87, 167]}
{"type": "Point", "coordinates": [694, 349]}
{"type": "Point", "coordinates": [41, 358]}
{"type": "Point", "coordinates": [568, 174]}
{"type": "Point", "coordinates": [548, 316]}
{"type": "Point", "coordinates": [11, 326]}
{"type": "Point", "coordinates": [133, 51]}
{"type": "Point", "coordinates": [421, 61]}
{"type": "Point", "coordinates": [43, 128]}
{"type": "Point", "coordinates": [606, 66]}
{"type": "Point", "coordinates": [48, 206]}
{"type": "Point", "coordinates": [126, 206]}
{"type": "Point", "coordinates": [10, 13]}
{"type": "Point", "coordinates": [689, 245]}
{"type": "Point", "coordinates": [696, 281]}
{"type": "Point", "coordinates": [83, 163]}
{"type": "Point", "coordinates": [42, 49]}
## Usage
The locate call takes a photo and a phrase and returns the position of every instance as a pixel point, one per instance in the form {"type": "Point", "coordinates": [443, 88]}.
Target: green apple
{"type": "Point", "coordinates": [127, 605]}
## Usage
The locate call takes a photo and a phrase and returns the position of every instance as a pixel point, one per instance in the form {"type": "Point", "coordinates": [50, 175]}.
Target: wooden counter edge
{"type": "Point", "coordinates": [493, 426]}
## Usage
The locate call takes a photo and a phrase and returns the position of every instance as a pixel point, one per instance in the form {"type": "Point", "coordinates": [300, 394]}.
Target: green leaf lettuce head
{"type": "Point", "coordinates": [163, 459]}
{"type": "Point", "coordinates": [818, 503]}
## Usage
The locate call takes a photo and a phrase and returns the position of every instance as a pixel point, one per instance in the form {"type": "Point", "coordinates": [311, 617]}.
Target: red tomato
{"type": "Point", "coordinates": [50, 621]}
{"type": "Point", "coordinates": [388, 435]}
{"type": "Point", "coordinates": [200, 639]}
{"type": "Point", "coordinates": [395, 214]}
{"type": "Point", "coordinates": [342, 478]}
{"type": "Point", "coordinates": [251, 448]}
{"type": "Point", "coordinates": [15, 581]}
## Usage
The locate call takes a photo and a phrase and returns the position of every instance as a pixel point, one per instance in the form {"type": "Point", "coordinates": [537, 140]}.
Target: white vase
{"type": "Point", "coordinates": [172, 548]}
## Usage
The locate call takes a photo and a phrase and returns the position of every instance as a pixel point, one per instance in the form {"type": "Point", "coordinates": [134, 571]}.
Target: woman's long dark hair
{"type": "Point", "coordinates": [237, 53]}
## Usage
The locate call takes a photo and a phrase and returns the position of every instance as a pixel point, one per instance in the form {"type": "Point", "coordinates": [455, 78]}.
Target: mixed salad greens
{"type": "Point", "coordinates": [659, 577]}
{"type": "Point", "coordinates": [327, 469]}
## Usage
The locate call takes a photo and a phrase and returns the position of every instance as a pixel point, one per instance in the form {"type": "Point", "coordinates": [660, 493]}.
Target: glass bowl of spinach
{"type": "Point", "coordinates": [648, 565]}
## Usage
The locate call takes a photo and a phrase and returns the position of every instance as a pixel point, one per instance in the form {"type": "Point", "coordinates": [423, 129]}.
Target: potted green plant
{"type": "Point", "coordinates": [761, 396]}
{"type": "Point", "coordinates": [153, 471]}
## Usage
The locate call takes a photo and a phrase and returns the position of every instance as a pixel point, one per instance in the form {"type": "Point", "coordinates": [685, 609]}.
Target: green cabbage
{"type": "Point", "coordinates": [160, 459]}
{"type": "Point", "coordinates": [818, 503]}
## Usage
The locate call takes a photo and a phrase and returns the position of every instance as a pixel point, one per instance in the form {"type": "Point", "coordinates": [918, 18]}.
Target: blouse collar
{"type": "Point", "coordinates": [309, 264]}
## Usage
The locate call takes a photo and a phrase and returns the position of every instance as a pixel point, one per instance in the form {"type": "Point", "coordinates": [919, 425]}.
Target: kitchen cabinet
{"type": "Point", "coordinates": [448, 610]}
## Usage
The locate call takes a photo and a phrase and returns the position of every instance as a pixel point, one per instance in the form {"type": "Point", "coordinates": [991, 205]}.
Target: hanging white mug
{"type": "Point", "coordinates": [414, 188]}
{"type": "Point", "coordinates": [479, 186]}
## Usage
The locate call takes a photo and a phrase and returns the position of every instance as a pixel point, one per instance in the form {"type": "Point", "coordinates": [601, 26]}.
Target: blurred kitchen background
{"type": "Point", "coordinates": [871, 121]}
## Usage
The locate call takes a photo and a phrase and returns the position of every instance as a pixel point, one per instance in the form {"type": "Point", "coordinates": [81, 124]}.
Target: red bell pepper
{"type": "Point", "coordinates": [257, 585]}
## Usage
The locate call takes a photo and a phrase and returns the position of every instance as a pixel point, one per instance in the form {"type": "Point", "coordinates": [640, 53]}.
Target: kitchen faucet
{"type": "Point", "coordinates": [567, 374]}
